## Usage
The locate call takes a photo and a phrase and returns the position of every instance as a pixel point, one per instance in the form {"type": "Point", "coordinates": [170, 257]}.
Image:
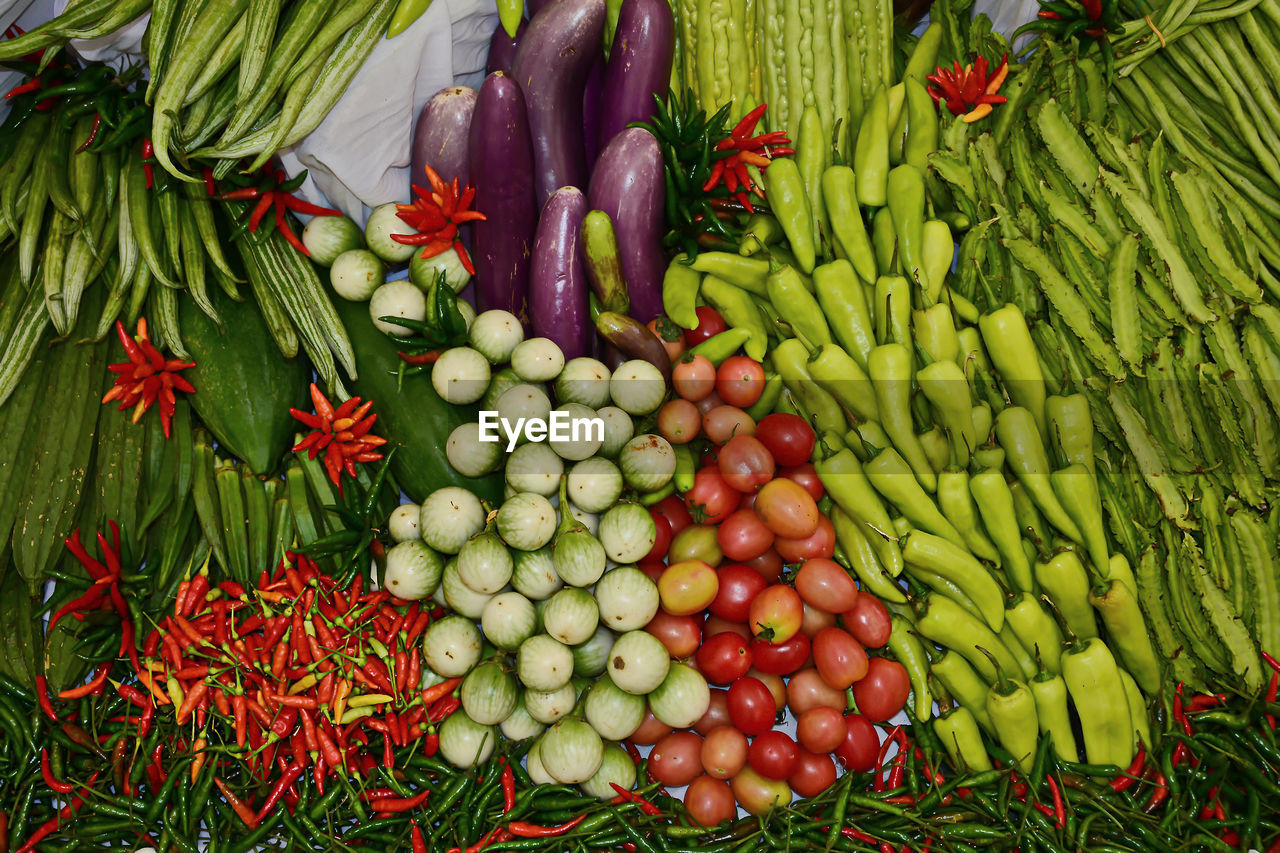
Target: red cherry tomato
{"type": "Point", "coordinates": [826, 585]}
{"type": "Point", "coordinates": [671, 335]}
{"type": "Point", "coordinates": [820, 544]}
{"type": "Point", "coordinates": [710, 324]}
{"type": "Point", "coordinates": [738, 585]}
{"type": "Point", "coordinates": [748, 501]}
{"type": "Point", "coordinates": [868, 621]}
{"type": "Point", "coordinates": [679, 421]}
{"type": "Point", "coordinates": [782, 658]}
{"type": "Point", "coordinates": [724, 658]}
{"type": "Point", "coordinates": [807, 476]}
{"type": "Point", "coordinates": [724, 752]}
{"type": "Point", "coordinates": [710, 801]}
{"type": "Point", "coordinates": [677, 758]}
{"type": "Point", "coordinates": [814, 773]}
{"type": "Point", "coordinates": [814, 620]}
{"type": "Point", "coordinates": [858, 751]}
{"type": "Point", "coordinates": [715, 625]}
{"type": "Point", "coordinates": [806, 690]}
{"type": "Point", "coordinates": [693, 376]}
{"type": "Point", "coordinates": [680, 635]}
{"type": "Point", "coordinates": [820, 729]}
{"type": "Point", "coordinates": [751, 706]}
{"type": "Point", "coordinates": [672, 508]}
{"type": "Point", "coordinates": [769, 565]}
{"type": "Point", "coordinates": [663, 540]}
{"type": "Point", "coordinates": [652, 569]}
{"type": "Point", "coordinates": [789, 438]}
{"type": "Point", "coordinates": [740, 381]}
{"type": "Point", "coordinates": [708, 403]}
{"type": "Point", "coordinates": [724, 422]}
{"type": "Point", "coordinates": [773, 755]}
{"type": "Point", "coordinates": [840, 658]}
{"type": "Point", "coordinates": [775, 685]}
{"type": "Point", "coordinates": [883, 691]}
{"type": "Point", "coordinates": [745, 463]}
{"type": "Point", "coordinates": [711, 496]}
{"type": "Point", "coordinates": [651, 729]}
{"type": "Point", "coordinates": [743, 535]}
{"type": "Point", "coordinates": [717, 713]}
{"type": "Point", "coordinates": [776, 614]}
{"type": "Point", "coordinates": [787, 509]}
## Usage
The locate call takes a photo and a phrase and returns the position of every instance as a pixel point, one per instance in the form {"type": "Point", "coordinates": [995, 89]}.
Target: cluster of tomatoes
{"type": "Point", "coordinates": [752, 597]}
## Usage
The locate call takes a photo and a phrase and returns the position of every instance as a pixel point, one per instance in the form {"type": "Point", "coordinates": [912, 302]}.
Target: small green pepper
{"type": "Point", "coordinates": [952, 562]}
{"type": "Point", "coordinates": [860, 556]}
{"type": "Point", "coordinates": [811, 146]}
{"type": "Point", "coordinates": [935, 332]}
{"type": "Point", "coordinates": [943, 384]}
{"type": "Point", "coordinates": [937, 255]}
{"type": "Point", "coordinates": [906, 204]}
{"type": "Point", "coordinates": [871, 151]}
{"type": "Point", "coordinates": [1138, 713]}
{"type": "Point", "coordinates": [884, 241]}
{"type": "Point", "coordinates": [936, 447]}
{"type": "Point", "coordinates": [840, 195]}
{"type": "Point", "coordinates": [906, 647]}
{"type": "Point", "coordinates": [922, 126]}
{"type": "Point", "coordinates": [1070, 425]}
{"type": "Point", "coordinates": [1063, 579]}
{"type": "Point", "coordinates": [680, 287]}
{"type": "Point", "coordinates": [797, 306]}
{"type": "Point", "coordinates": [848, 485]}
{"type": "Point", "coordinates": [965, 685]}
{"type": "Point", "coordinates": [1093, 680]}
{"type": "Point", "coordinates": [844, 303]}
{"type": "Point", "coordinates": [785, 188]}
{"type": "Point", "coordinates": [889, 367]}
{"type": "Point", "coordinates": [790, 360]}
{"type": "Point", "coordinates": [739, 312]}
{"type": "Point", "coordinates": [768, 397]}
{"type": "Point", "coordinates": [893, 478]}
{"type": "Point", "coordinates": [761, 230]}
{"type": "Point", "coordinates": [1077, 491]}
{"type": "Point", "coordinates": [686, 467]}
{"type": "Point", "coordinates": [1012, 709]}
{"type": "Point", "coordinates": [718, 348]}
{"type": "Point", "coordinates": [1036, 630]}
{"type": "Point", "coordinates": [892, 306]}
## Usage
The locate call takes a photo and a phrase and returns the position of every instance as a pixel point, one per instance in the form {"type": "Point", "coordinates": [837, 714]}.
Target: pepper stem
{"type": "Point", "coordinates": [1003, 685]}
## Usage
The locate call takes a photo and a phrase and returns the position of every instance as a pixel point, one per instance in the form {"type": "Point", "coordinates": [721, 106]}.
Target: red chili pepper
{"type": "Point", "coordinates": [521, 829]}
{"type": "Point", "coordinates": [425, 358]}
{"type": "Point", "coordinates": [242, 809]}
{"type": "Point", "coordinates": [148, 153]}
{"type": "Point", "coordinates": [632, 797]}
{"type": "Point", "coordinates": [282, 226]}
{"type": "Point", "coordinates": [47, 772]}
{"type": "Point", "coordinates": [191, 701]}
{"type": "Point", "coordinates": [1271, 661]}
{"type": "Point", "coordinates": [508, 781]}
{"type": "Point", "coordinates": [399, 804]}
{"type": "Point", "coordinates": [444, 688]}
{"type": "Point", "coordinates": [430, 744]}
{"type": "Point", "coordinates": [1059, 810]}
{"type": "Point", "coordinates": [282, 784]}
{"type": "Point", "coordinates": [42, 695]}
{"type": "Point", "coordinates": [442, 708]}
{"type": "Point", "coordinates": [51, 825]}
{"type": "Point", "coordinates": [308, 208]}
{"type": "Point", "coordinates": [93, 686]}
{"type": "Point", "coordinates": [1270, 696]}
{"type": "Point", "coordinates": [1126, 779]}
{"type": "Point", "coordinates": [1158, 796]}
{"type": "Point", "coordinates": [93, 133]}
{"type": "Point", "coordinates": [415, 838]}
{"type": "Point", "coordinates": [23, 88]}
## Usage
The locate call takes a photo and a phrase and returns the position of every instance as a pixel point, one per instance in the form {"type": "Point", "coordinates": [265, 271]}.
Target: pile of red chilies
{"type": "Point", "coordinates": [299, 670]}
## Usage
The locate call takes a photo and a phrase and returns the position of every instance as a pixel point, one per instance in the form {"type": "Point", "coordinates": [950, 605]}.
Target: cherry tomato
{"type": "Point", "coordinates": [883, 691]}
{"type": "Point", "coordinates": [740, 381]}
{"type": "Point", "coordinates": [709, 801]}
{"type": "Point", "coordinates": [715, 625]}
{"type": "Point", "coordinates": [677, 758]}
{"type": "Point", "coordinates": [707, 403]}
{"type": "Point", "coordinates": [776, 686]}
{"type": "Point", "coordinates": [748, 501]}
{"type": "Point", "coordinates": [687, 587]}
{"type": "Point", "coordinates": [775, 614]}
{"type": "Point", "coordinates": [724, 422]}
{"type": "Point", "coordinates": [679, 421]}
{"type": "Point", "coordinates": [651, 729]}
{"type": "Point", "coordinates": [743, 536]}
{"type": "Point", "coordinates": [806, 690]}
{"type": "Point", "coordinates": [814, 620]}
{"type": "Point", "coordinates": [861, 744]}
{"type": "Point", "coordinates": [745, 463]}
{"type": "Point", "coordinates": [787, 509]}
{"type": "Point", "coordinates": [821, 543]}
{"type": "Point", "coordinates": [724, 752]}
{"type": "Point", "coordinates": [868, 621]}
{"type": "Point", "coordinates": [693, 376]}
{"type": "Point", "coordinates": [663, 540]}
{"type": "Point", "coordinates": [773, 755]}
{"type": "Point", "coordinates": [680, 635]}
{"type": "Point", "coordinates": [711, 495]}
{"type": "Point", "coordinates": [840, 658]}
{"type": "Point", "coordinates": [789, 438]}
{"type": "Point", "coordinates": [807, 476]}
{"type": "Point", "coordinates": [757, 794]}
{"type": "Point", "coordinates": [738, 585]}
{"type": "Point", "coordinates": [672, 508]}
{"type": "Point", "coordinates": [769, 565]}
{"type": "Point", "coordinates": [814, 773]}
{"type": "Point", "coordinates": [710, 324]}
{"type": "Point", "coordinates": [696, 542]}
{"type": "Point", "coordinates": [724, 658]}
{"type": "Point", "coordinates": [820, 729]}
{"type": "Point", "coordinates": [826, 585]}
{"type": "Point", "coordinates": [717, 713]}
{"type": "Point", "coordinates": [652, 569]}
{"type": "Point", "coordinates": [751, 706]}
{"type": "Point", "coordinates": [782, 658]}
{"type": "Point", "coordinates": [671, 335]}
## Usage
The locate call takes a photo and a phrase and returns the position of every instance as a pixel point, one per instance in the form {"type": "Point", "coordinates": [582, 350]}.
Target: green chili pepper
{"type": "Point", "coordinates": [1017, 433]}
{"type": "Point", "coordinates": [1050, 693]}
{"type": "Point", "coordinates": [1029, 519]}
{"type": "Point", "coordinates": [935, 333]}
{"type": "Point", "coordinates": [789, 359]}
{"type": "Point", "coordinates": [860, 556]}
{"type": "Point", "coordinates": [948, 624]}
{"type": "Point", "coordinates": [964, 684]}
{"type": "Point", "coordinates": [889, 366]}
{"type": "Point", "coordinates": [944, 385]}
{"type": "Point", "coordinates": [718, 348]}
{"type": "Point", "coordinates": [841, 376]}
{"type": "Point", "coordinates": [844, 303]}
{"type": "Point", "coordinates": [922, 126]}
{"type": "Point", "coordinates": [1014, 355]}
{"type": "Point", "coordinates": [768, 397]}
{"type": "Point", "coordinates": [785, 189]}
{"type": "Point", "coordinates": [871, 436]}
{"type": "Point", "coordinates": [909, 651]}
{"type": "Point", "coordinates": [884, 241]}
{"type": "Point", "coordinates": [958, 731]}
{"type": "Point", "coordinates": [1036, 630]}
{"type": "Point", "coordinates": [761, 230]}
{"type": "Point", "coordinates": [812, 145]}
{"type": "Point", "coordinates": [1012, 709]}
{"type": "Point", "coordinates": [995, 504]}
{"type": "Point", "coordinates": [1077, 491]}
{"type": "Point", "coordinates": [797, 306]}
{"type": "Point", "coordinates": [1120, 570]}
{"type": "Point", "coordinates": [750, 274]}
{"type": "Point", "coordinates": [1070, 425]}
{"type": "Point", "coordinates": [871, 151]}
{"type": "Point", "coordinates": [735, 305]}
{"type": "Point", "coordinates": [905, 189]}
{"type": "Point", "coordinates": [680, 292]}
{"type": "Point", "coordinates": [1093, 680]}
{"type": "Point", "coordinates": [952, 562]}
{"type": "Point", "coordinates": [840, 195]}
{"type": "Point", "coordinates": [1127, 629]}
{"type": "Point", "coordinates": [956, 502]}
{"type": "Point", "coordinates": [893, 479]}
{"type": "Point", "coordinates": [848, 485]}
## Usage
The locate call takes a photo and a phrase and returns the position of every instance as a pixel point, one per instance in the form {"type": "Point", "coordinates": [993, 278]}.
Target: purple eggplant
{"type": "Point", "coordinates": [440, 138]}
{"type": "Point", "coordinates": [502, 174]}
{"type": "Point", "coordinates": [592, 108]}
{"type": "Point", "coordinates": [558, 286]}
{"type": "Point", "coordinates": [536, 6]}
{"type": "Point", "coordinates": [639, 65]}
{"type": "Point", "coordinates": [628, 185]}
{"type": "Point", "coordinates": [502, 49]}
{"type": "Point", "coordinates": [551, 66]}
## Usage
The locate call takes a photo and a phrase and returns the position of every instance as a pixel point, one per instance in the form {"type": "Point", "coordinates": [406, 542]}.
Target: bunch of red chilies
{"type": "Point", "coordinates": [301, 673]}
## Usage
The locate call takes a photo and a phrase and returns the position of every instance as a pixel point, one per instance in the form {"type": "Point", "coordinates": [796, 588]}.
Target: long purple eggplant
{"type": "Point", "coordinates": [536, 6]}
{"type": "Point", "coordinates": [502, 49]}
{"type": "Point", "coordinates": [639, 65]}
{"type": "Point", "coordinates": [551, 66]}
{"type": "Point", "coordinates": [502, 174]}
{"type": "Point", "coordinates": [628, 185]}
{"type": "Point", "coordinates": [592, 111]}
{"type": "Point", "coordinates": [441, 136]}
{"type": "Point", "coordinates": [558, 286]}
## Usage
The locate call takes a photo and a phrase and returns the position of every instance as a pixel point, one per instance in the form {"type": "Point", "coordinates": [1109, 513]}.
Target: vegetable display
{"type": "Point", "coordinates": [764, 425]}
